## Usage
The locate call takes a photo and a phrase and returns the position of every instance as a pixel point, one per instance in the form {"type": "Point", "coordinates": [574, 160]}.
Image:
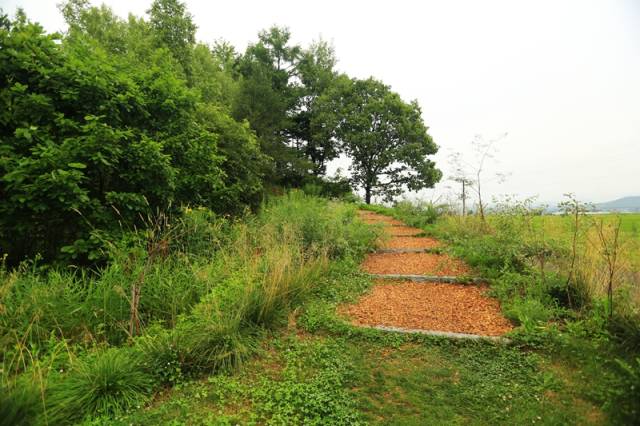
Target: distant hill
{"type": "Point", "coordinates": [627, 204]}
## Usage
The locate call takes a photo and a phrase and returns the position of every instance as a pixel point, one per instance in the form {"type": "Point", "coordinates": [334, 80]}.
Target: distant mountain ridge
{"type": "Point", "coordinates": [627, 204]}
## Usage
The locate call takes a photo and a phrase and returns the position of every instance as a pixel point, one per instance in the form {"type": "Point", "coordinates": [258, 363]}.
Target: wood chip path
{"type": "Point", "coordinates": [444, 307]}
{"type": "Point", "coordinates": [410, 243]}
{"type": "Point", "coordinates": [423, 306]}
{"type": "Point", "coordinates": [414, 264]}
{"type": "Point", "coordinates": [404, 231]}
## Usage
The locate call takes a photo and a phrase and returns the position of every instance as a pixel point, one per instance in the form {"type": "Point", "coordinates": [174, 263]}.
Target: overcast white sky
{"type": "Point", "coordinates": [561, 77]}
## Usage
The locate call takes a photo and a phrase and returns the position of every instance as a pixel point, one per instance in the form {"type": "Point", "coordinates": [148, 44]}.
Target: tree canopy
{"type": "Point", "coordinates": [384, 137]}
{"type": "Point", "coordinates": [117, 119]}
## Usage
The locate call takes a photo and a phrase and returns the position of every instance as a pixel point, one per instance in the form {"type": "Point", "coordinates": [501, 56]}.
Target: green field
{"type": "Point", "coordinates": [560, 227]}
{"type": "Point", "coordinates": [321, 370]}
{"type": "Point", "coordinates": [629, 222]}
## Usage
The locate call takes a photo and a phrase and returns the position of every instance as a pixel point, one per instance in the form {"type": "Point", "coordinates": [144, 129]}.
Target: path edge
{"type": "Point", "coordinates": [438, 333]}
{"type": "Point", "coordinates": [429, 278]}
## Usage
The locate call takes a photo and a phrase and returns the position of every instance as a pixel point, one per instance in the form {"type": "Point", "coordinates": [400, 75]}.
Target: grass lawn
{"type": "Point", "coordinates": [316, 379]}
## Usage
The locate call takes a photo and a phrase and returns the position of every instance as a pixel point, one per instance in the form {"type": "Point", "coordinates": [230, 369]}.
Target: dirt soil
{"type": "Point", "coordinates": [429, 306]}
{"type": "Point", "coordinates": [411, 243]}
{"type": "Point", "coordinates": [414, 264]}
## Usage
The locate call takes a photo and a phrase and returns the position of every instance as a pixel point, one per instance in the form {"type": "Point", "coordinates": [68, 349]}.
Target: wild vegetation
{"type": "Point", "coordinates": [165, 223]}
{"type": "Point", "coordinates": [565, 365]}
{"type": "Point", "coordinates": [77, 345]}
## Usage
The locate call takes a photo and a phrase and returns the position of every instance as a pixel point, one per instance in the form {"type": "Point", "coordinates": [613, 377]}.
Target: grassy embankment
{"type": "Point", "coordinates": [186, 299]}
{"type": "Point", "coordinates": [561, 369]}
{"type": "Point", "coordinates": [259, 340]}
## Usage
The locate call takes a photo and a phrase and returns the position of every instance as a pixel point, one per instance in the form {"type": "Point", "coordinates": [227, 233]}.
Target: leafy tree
{"type": "Point", "coordinates": [267, 98]}
{"type": "Point", "coordinates": [92, 142]}
{"type": "Point", "coordinates": [225, 54]}
{"type": "Point", "coordinates": [212, 78]}
{"type": "Point", "coordinates": [197, 142]}
{"type": "Point", "coordinates": [279, 86]}
{"type": "Point", "coordinates": [99, 23]}
{"type": "Point", "coordinates": [385, 138]}
{"type": "Point", "coordinates": [242, 161]}
{"type": "Point", "coordinates": [315, 70]}
{"type": "Point", "coordinates": [71, 154]}
{"type": "Point", "coordinates": [174, 28]}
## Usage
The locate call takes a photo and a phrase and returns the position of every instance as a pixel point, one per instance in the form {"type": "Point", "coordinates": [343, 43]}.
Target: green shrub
{"type": "Point", "coordinates": [207, 342]}
{"type": "Point", "coordinates": [161, 356]}
{"type": "Point", "coordinates": [85, 307]}
{"type": "Point", "coordinates": [489, 255]}
{"type": "Point", "coordinates": [529, 312]}
{"type": "Point", "coordinates": [94, 141]}
{"type": "Point", "coordinates": [625, 326]}
{"type": "Point", "coordinates": [108, 382]}
{"type": "Point", "coordinates": [418, 214]}
{"type": "Point", "coordinates": [198, 232]}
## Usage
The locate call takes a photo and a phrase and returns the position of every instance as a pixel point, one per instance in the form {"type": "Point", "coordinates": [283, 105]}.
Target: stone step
{"type": "Point", "coordinates": [435, 250]}
{"type": "Point", "coordinates": [447, 334]}
{"type": "Point", "coordinates": [430, 278]}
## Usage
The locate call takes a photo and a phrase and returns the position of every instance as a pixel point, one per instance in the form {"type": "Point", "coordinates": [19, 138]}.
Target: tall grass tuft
{"type": "Point", "coordinates": [283, 275]}
{"type": "Point", "coordinates": [105, 383]}
{"type": "Point", "coordinates": [19, 405]}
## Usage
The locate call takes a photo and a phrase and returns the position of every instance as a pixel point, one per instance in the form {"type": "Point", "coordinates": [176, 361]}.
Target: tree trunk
{"type": "Point", "coordinates": [367, 195]}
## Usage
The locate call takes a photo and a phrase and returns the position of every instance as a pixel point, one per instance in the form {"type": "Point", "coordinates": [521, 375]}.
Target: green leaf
{"type": "Point", "coordinates": [77, 165]}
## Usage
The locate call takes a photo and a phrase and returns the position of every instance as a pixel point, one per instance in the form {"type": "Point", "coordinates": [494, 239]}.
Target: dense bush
{"type": "Point", "coordinates": [92, 143]}
{"type": "Point", "coordinates": [117, 120]}
{"type": "Point", "coordinates": [328, 231]}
